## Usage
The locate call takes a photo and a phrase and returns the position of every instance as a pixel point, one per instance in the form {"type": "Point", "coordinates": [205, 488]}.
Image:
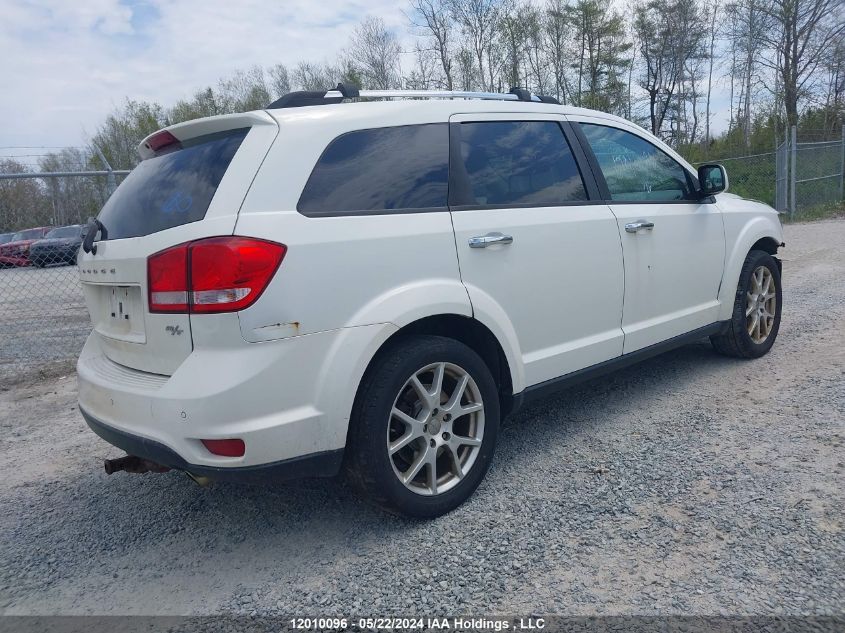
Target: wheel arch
{"type": "Point", "coordinates": [768, 244]}
{"type": "Point", "coordinates": [761, 233]}
{"type": "Point", "coordinates": [467, 330]}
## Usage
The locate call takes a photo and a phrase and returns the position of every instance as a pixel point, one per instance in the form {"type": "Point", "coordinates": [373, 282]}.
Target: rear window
{"type": "Point", "coordinates": [172, 188]}
{"type": "Point", "coordinates": [381, 170]}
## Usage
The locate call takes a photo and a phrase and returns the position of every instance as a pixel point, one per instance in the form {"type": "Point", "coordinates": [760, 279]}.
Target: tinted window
{"type": "Point", "coordinates": [66, 231]}
{"type": "Point", "coordinates": [519, 162]}
{"type": "Point", "coordinates": [6, 237]}
{"type": "Point", "coordinates": [173, 188]}
{"type": "Point", "coordinates": [381, 169]}
{"type": "Point", "coordinates": [636, 170]}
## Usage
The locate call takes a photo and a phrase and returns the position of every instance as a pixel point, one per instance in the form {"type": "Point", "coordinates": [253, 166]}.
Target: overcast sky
{"type": "Point", "coordinates": [65, 64]}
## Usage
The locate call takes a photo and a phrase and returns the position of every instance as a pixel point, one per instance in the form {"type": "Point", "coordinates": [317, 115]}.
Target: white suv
{"type": "Point", "coordinates": [373, 285]}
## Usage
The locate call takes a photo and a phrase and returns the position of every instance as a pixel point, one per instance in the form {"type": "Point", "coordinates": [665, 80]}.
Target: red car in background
{"type": "Point", "coordinates": [16, 251]}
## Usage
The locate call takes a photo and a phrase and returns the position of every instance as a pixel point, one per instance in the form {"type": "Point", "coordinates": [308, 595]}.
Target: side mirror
{"type": "Point", "coordinates": [712, 179]}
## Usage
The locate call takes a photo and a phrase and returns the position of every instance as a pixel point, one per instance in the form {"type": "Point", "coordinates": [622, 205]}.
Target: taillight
{"type": "Point", "coordinates": [167, 280]}
{"type": "Point", "coordinates": [217, 274]}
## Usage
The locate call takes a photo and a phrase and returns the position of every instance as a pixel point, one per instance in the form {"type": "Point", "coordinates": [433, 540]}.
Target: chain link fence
{"type": "Point", "coordinates": [817, 174]}
{"type": "Point", "coordinates": [797, 178]}
{"type": "Point", "coordinates": [43, 318]}
{"type": "Point", "coordinates": [752, 176]}
{"type": "Point", "coordinates": [44, 322]}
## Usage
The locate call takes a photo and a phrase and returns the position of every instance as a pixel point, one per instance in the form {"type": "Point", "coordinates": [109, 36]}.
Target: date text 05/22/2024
{"type": "Point", "coordinates": [423, 623]}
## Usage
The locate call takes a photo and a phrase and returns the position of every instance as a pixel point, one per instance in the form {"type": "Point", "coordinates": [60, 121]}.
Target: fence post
{"type": "Point", "coordinates": [110, 183]}
{"type": "Point", "coordinates": [842, 165]}
{"type": "Point", "coordinates": [793, 159]}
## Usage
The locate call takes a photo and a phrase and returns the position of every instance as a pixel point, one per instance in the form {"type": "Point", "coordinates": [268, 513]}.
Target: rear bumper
{"type": "Point", "coordinates": [289, 400]}
{"type": "Point", "coordinates": [325, 464]}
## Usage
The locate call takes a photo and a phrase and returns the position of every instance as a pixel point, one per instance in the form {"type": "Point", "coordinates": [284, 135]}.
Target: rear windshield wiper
{"type": "Point", "coordinates": [93, 227]}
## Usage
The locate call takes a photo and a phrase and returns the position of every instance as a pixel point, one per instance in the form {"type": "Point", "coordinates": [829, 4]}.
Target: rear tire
{"type": "Point", "coordinates": [424, 427]}
{"type": "Point", "coordinates": [755, 320]}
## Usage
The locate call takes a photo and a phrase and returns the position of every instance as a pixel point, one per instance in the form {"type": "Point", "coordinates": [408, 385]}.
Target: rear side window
{"type": "Point", "coordinates": [518, 162]}
{"type": "Point", "coordinates": [380, 170]}
{"type": "Point", "coordinates": [172, 188]}
{"type": "Point", "coordinates": [634, 169]}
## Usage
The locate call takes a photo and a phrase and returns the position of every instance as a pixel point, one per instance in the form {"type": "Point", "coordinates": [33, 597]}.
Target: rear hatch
{"type": "Point", "coordinates": [189, 186]}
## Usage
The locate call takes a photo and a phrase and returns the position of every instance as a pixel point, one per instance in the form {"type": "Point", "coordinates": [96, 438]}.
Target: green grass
{"type": "Point", "coordinates": [825, 211]}
{"type": "Point", "coordinates": [752, 178]}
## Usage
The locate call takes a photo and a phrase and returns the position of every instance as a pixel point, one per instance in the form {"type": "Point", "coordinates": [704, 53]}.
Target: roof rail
{"type": "Point", "coordinates": [348, 91]}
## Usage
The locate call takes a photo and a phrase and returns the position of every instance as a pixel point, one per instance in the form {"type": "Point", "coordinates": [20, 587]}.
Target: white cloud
{"type": "Point", "coordinates": [65, 65]}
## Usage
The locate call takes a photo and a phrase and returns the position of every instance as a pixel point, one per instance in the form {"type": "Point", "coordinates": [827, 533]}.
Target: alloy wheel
{"type": "Point", "coordinates": [435, 428]}
{"type": "Point", "coordinates": [760, 305]}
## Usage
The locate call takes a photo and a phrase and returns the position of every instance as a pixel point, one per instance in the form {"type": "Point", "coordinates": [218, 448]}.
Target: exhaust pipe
{"type": "Point", "coordinates": [199, 479]}
{"type": "Point", "coordinates": [133, 464]}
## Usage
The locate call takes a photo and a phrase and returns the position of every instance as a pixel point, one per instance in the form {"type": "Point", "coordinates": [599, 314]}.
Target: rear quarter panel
{"type": "Point", "coordinates": [351, 270]}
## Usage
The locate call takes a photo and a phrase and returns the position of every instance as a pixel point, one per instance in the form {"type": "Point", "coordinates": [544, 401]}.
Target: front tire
{"type": "Point", "coordinates": [424, 427]}
{"type": "Point", "coordinates": [755, 320]}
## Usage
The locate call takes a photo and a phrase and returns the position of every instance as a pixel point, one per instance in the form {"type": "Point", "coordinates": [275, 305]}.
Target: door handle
{"type": "Point", "coordinates": [633, 227]}
{"type": "Point", "coordinates": [483, 241]}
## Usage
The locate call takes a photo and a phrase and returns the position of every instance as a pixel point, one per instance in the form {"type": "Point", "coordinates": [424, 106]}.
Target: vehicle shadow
{"type": "Point", "coordinates": [115, 515]}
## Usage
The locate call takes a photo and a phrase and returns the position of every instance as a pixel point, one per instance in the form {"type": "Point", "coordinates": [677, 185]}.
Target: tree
{"type": "Point", "coordinates": [422, 75]}
{"type": "Point", "coordinates": [123, 129]}
{"type": "Point", "coordinates": [478, 20]}
{"type": "Point", "coordinates": [511, 37]}
{"type": "Point", "coordinates": [315, 76]}
{"type": "Point", "coordinates": [279, 80]}
{"type": "Point", "coordinates": [536, 56]}
{"type": "Point", "coordinates": [804, 31]}
{"type": "Point", "coordinates": [431, 18]}
{"type": "Point", "coordinates": [375, 53]}
{"type": "Point", "coordinates": [22, 201]}
{"type": "Point", "coordinates": [834, 107]}
{"type": "Point", "coordinates": [746, 26]}
{"type": "Point", "coordinates": [602, 51]}
{"type": "Point", "coordinates": [713, 10]}
{"type": "Point", "coordinates": [466, 69]}
{"type": "Point", "coordinates": [669, 36]}
{"type": "Point", "coordinates": [557, 31]}
{"type": "Point", "coordinates": [245, 90]}
{"type": "Point", "coordinates": [73, 199]}
{"type": "Point", "coordinates": [203, 104]}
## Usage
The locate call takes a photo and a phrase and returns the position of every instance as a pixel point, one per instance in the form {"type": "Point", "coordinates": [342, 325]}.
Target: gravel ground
{"type": "Point", "coordinates": [690, 484]}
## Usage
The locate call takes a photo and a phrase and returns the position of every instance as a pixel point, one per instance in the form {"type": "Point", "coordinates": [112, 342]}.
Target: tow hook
{"type": "Point", "coordinates": [133, 464]}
